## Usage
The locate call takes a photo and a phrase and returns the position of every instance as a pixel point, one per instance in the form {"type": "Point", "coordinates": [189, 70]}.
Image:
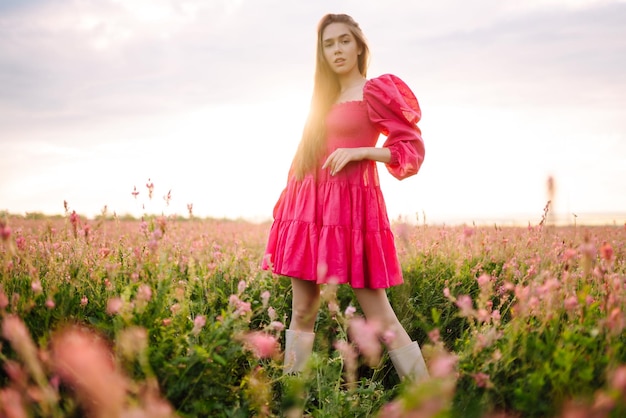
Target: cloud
{"type": "Point", "coordinates": [114, 58]}
{"type": "Point", "coordinates": [549, 57]}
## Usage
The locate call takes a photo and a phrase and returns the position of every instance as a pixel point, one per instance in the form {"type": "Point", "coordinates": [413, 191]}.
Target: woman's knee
{"type": "Point", "coordinates": [305, 305]}
{"type": "Point", "coordinates": [304, 317]}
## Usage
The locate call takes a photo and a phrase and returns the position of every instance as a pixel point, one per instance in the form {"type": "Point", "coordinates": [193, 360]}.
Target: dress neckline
{"type": "Point", "coordinates": [346, 102]}
{"type": "Point", "coordinates": [361, 101]}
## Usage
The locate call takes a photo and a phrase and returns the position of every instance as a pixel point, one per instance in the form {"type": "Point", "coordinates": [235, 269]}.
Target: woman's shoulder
{"type": "Point", "coordinates": [391, 91]}
{"type": "Point", "coordinates": [386, 81]}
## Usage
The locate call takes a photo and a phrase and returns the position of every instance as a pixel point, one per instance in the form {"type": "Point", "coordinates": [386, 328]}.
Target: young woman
{"type": "Point", "coordinates": [330, 222]}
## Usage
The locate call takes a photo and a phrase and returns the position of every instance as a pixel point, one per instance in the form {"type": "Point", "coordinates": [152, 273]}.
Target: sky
{"type": "Point", "coordinates": [206, 100]}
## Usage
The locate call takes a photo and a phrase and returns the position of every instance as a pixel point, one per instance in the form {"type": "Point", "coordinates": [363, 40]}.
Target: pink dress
{"type": "Point", "coordinates": [336, 228]}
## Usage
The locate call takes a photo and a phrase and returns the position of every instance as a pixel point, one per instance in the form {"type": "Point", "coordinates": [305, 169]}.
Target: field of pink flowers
{"type": "Point", "coordinates": [165, 317]}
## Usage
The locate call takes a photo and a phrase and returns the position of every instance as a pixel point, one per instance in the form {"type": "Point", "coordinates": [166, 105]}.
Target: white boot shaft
{"type": "Point", "coordinates": [409, 362]}
{"type": "Point", "coordinates": [298, 349]}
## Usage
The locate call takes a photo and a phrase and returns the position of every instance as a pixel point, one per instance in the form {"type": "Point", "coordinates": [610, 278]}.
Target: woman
{"type": "Point", "coordinates": [330, 222]}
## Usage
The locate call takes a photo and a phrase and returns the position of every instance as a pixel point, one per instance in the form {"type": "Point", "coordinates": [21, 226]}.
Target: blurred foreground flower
{"type": "Point", "coordinates": [366, 335]}
{"type": "Point", "coordinates": [263, 345]}
{"type": "Point", "coordinates": [84, 362]}
{"type": "Point", "coordinates": [349, 356]}
{"type": "Point", "coordinates": [15, 331]}
{"type": "Point", "coordinates": [12, 404]}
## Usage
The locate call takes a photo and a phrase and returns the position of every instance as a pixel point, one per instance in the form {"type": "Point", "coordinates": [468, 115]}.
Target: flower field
{"type": "Point", "coordinates": [166, 316]}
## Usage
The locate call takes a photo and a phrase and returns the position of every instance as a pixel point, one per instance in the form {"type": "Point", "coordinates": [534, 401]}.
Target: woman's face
{"type": "Point", "coordinates": [340, 48]}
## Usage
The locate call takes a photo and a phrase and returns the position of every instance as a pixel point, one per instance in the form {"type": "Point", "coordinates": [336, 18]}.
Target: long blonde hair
{"type": "Point", "coordinates": [326, 89]}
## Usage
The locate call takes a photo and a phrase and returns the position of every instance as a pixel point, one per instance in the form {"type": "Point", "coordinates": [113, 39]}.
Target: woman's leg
{"type": "Point", "coordinates": [305, 305]}
{"type": "Point", "coordinates": [376, 307]}
{"type": "Point", "coordinates": [405, 354]}
{"type": "Point", "coordinates": [299, 337]}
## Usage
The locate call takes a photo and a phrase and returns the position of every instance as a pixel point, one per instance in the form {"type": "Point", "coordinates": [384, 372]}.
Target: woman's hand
{"type": "Point", "coordinates": [342, 156]}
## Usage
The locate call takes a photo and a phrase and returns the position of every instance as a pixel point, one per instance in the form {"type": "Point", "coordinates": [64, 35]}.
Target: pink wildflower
{"type": "Point", "coordinates": [241, 286]}
{"type": "Point", "coordinates": [150, 187]}
{"type": "Point", "coordinates": [571, 303]}
{"type": "Point", "coordinates": [263, 345]}
{"type": "Point", "coordinates": [16, 373]}
{"type": "Point", "coordinates": [276, 326]}
{"type": "Point", "coordinates": [569, 254]}
{"type": "Point", "coordinates": [465, 304]}
{"type": "Point", "coordinates": [36, 286]}
{"type": "Point", "coordinates": [615, 321]}
{"type": "Point", "coordinates": [144, 292]}
{"type": "Point", "coordinates": [175, 308]}
{"type": "Point", "coordinates": [482, 380]}
{"type": "Point", "coordinates": [483, 315]}
{"type": "Point", "coordinates": [392, 409]}
{"type": "Point", "coordinates": [265, 298]}
{"type": "Point", "coordinates": [241, 307]}
{"type": "Point", "coordinates": [588, 250]}
{"type": "Point", "coordinates": [198, 323]}
{"type": "Point", "coordinates": [443, 365]}
{"type": "Point", "coordinates": [271, 313]}
{"type": "Point", "coordinates": [388, 337]}
{"type": "Point", "coordinates": [333, 308]}
{"type": "Point", "coordinates": [402, 231]}
{"type": "Point", "coordinates": [84, 301]}
{"type": "Point", "coordinates": [607, 251]}
{"type": "Point", "coordinates": [50, 304]}
{"type": "Point", "coordinates": [533, 302]}
{"type": "Point", "coordinates": [114, 306]}
{"type": "Point", "coordinates": [21, 243]}
{"type": "Point", "coordinates": [434, 335]}
{"type": "Point", "coordinates": [349, 312]}
{"type": "Point", "coordinates": [508, 286]}
{"type": "Point", "coordinates": [5, 231]}
{"type": "Point", "coordinates": [168, 198]}
{"type": "Point", "coordinates": [166, 321]}
{"type": "Point", "coordinates": [74, 219]}
{"type": "Point", "coordinates": [366, 337]}
{"type": "Point", "coordinates": [349, 356]}
{"type": "Point", "coordinates": [483, 280]}
{"type": "Point", "coordinates": [495, 315]}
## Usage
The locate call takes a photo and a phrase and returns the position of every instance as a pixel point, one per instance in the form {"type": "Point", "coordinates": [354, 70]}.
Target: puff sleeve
{"type": "Point", "coordinates": [394, 110]}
